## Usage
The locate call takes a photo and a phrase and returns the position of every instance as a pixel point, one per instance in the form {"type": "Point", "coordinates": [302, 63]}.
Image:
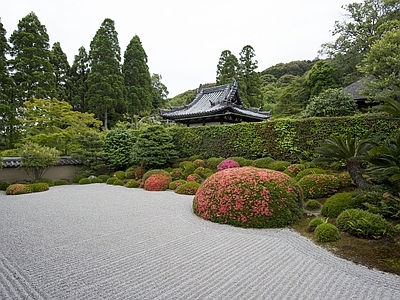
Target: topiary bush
{"type": "Point", "coordinates": [249, 197]}
{"type": "Point", "coordinates": [176, 173]}
{"type": "Point", "coordinates": [77, 178]}
{"type": "Point", "coordinates": [339, 202]}
{"type": "Point", "coordinates": [203, 172]}
{"type": "Point", "coordinates": [132, 183]}
{"type": "Point", "coordinates": [60, 182]}
{"type": "Point", "coordinates": [294, 169]}
{"type": "Point", "coordinates": [157, 182]}
{"type": "Point", "coordinates": [120, 175]}
{"type": "Point", "coordinates": [84, 181]}
{"type": "Point", "coordinates": [38, 187]}
{"type": "Point", "coordinates": [226, 164]}
{"type": "Point", "coordinates": [103, 178]}
{"type": "Point", "coordinates": [326, 232]}
{"type": "Point", "coordinates": [187, 168]}
{"type": "Point", "coordinates": [118, 182]}
{"type": "Point", "coordinates": [312, 205]}
{"type": "Point", "coordinates": [4, 185]}
{"type": "Point", "coordinates": [315, 222]}
{"type": "Point", "coordinates": [152, 172]}
{"type": "Point", "coordinates": [309, 171]}
{"type": "Point", "coordinates": [279, 165]}
{"type": "Point", "coordinates": [263, 162]}
{"type": "Point", "coordinates": [18, 189]}
{"type": "Point", "coordinates": [243, 162]}
{"type": "Point", "coordinates": [95, 180]}
{"type": "Point", "coordinates": [316, 186]}
{"type": "Point", "coordinates": [364, 224]}
{"type": "Point", "coordinates": [111, 180]}
{"type": "Point", "coordinates": [213, 162]}
{"type": "Point", "coordinates": [198, 163]}
{"type": "Point", "coordinates": [194, 178]}
{"type": "Point", "coordinates": [174, 184]}
{"type": "Point", "coordinates": [188, 188]}
{"type": "Point", "coordinates": [46, 180]}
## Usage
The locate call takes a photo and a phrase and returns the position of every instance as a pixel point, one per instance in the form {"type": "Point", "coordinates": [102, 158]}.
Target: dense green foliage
{"type": "Point", "coordinates": [326, 232]}
{"type": "Point", "coordinates": [118, 146]}
{"type": "Point", "coordinates": [339, 202]}
{"type": "Point", "coordinates": [61, 67]}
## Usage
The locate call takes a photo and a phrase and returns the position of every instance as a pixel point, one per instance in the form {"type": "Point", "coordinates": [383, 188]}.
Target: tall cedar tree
{"type": "Point", "coordinates": [78, 87]}
{"type": "Point", "coordinates": [30, 63]}
{"type": "Point", "coordinates": [7, 103]}
{"type": "Point", "coordinates": [105, 81]}
{"type": "Point", "coordinates": [227, 69]}
{"type": "Point", "coordinates": [137, 78]}
{"type": "Point", "coordinates": [61, 66]}
{"type": "Point", "coordinates": [249, 79]}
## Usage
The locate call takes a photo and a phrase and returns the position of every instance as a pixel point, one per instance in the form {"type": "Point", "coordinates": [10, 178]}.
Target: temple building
{"type": "Point", "coordinates": [213, 106]}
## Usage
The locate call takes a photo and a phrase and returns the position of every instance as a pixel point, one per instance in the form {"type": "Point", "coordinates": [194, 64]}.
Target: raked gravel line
{"type": "Point", "coordinates": [108, 242]}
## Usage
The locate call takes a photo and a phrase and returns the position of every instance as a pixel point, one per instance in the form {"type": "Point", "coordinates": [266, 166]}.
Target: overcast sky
{"type": "Point", "coordinates": [183, 39]}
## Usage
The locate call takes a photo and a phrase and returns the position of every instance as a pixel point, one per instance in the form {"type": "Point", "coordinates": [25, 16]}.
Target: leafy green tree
{"type": "Point", "coordinates": [54, 124]}
{"type": "Point", "coordinates": [227, 68]}
{"type": "Point", "coordinates": [352, 150]}
{"type": "Point", "coordinates": [321, 77]}
{"type": "Point", "coordinates": [78, 81]}
{"type": "Point", "coordinates": [364, 24]}
{"type": "Point", "coordinates": [382, 62]}
{"type": "Point", "coordinates": [160, 91]}
{"type": "Point", "coordinates": [30, 63]}
{"type": "Point", "coordinates": [139, 90]}
{"type": "Point", "coordinates": [295, 68]}
{"type": "Point", "coordinates": [61, 71]}
{"type": "Point", "coordinates": [91, 153]}
{"type": "Point", "coordinates": [154, 147]}
{"type": "Point", "coordinates": [249, 79]}
{"type": "Point", "coordinates": [118, 145]}
{"type": "Point", "coordinates": [36, 159]}
{"type": "Point", "coordinates": [331, 103]}
{"type": "Point", "coordinates": [105, 81]}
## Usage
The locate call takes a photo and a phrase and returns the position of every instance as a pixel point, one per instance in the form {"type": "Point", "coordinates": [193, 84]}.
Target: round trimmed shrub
{"type": "Point", "coordinates": [345, 179]}
{"type": "Point", "coordinates": [195, 157]}
{"type": "Point", "coordinates": [104, 178]}
{"type": "Point", "coordinates": [174, 184]}
{"type": "Point", "coordinates": [263, 162]}
{"type": "Point", "coordinates": [279, 165]}
{"type": "Point", "coordinates": [315, 222]}
{"type": "Point", "coordinates": [176, 173]}
{"type": "Point", "coordinates": [339, 202]}
{"type": "Point", "coordinates": [312, 205]}
{"type": "Point", "coordinates": [111, 180]}
{"type": "Point", "coordinates": [187, 168]}
{"type": "Point", "coordinates": [213, 162]}
{"type": "Point", "coordinates": [157, 182]}
{"type": "Point", "coordinates": [249, 197]}
{"type": "Point", "coordinates": [84, 181]}
{"type": "Point", "coordinates": [38, 187]}
{"type": "Point", "coordinates": [203, 172]}
{"type": "Point", "coordinates": [194, 178]}
{"type": "Point", "coordinates": [60, 182]}
{"type": "Point", "coordinates": [18, 189]}
{"type": "Point", "coordinates": [243, 162]}
{"type": "Point", "coordinates": [309, 171]}
{"type": "Point", "coordinates": [226, 164]}
{"type": "Point", "coordinates": [293, 169]}
{"type": "Point", "coordinates": [132, 183]}
{"type": "Point", "coordinates": [77, 178]}
{"type": "Point", "coordinates": [120, 174]}
{"type": "Point", "coordinates": [198, 163]}
{"type": "Point", "coordinates": [45, 180]}
{"type": "Point", "coordinates": [152, 172]}
{"type": "Point", "coordinates": [95, 180]}
{"type": "Point", "coordinates": [188, 188]}
{"type": "Point", "coordinates": [316, 186]}
{"type": "Point", "coordinates": [364, 224]}
{"type": "Point", "coordinates": [326, 232]}
{"type": "Point", "coordinates": [4, 185]}
{"type": "Point", "coordinates": [118, 182]}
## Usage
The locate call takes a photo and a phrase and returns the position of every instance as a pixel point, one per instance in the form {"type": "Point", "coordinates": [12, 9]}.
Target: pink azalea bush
{"type": "Point", "coordinates": [157, 182]}
{"type": "Point", "coordinates": [249, 197]}
{"type": "Point", "coordinates": [227, 164]}
{"type": "Point", "coordinates": [194, 178]}
{"type": "Point", "coordinates": [316, 186]}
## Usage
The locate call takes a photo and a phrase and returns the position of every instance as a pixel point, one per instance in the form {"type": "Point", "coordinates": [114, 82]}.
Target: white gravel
{"type": "Point", "coordinates": [108, 242]}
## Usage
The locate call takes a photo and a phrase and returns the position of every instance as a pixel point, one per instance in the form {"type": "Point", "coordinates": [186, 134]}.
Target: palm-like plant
{"type": "Point", "coordinates": [349, 149]}
{"type": "Point", "coordinates": [391, 107]}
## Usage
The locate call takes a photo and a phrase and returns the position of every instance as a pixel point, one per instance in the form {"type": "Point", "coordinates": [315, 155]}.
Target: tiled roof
{"type": "Point", "coordinates": [213, 101]}
{"type": "Point", "coordinates": [15, 162]}
{"type": "Point", "coordinates": [356, 88]}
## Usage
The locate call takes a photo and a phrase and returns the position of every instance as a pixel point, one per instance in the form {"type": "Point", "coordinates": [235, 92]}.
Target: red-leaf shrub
{"type": "Point", "coordinates": [194, 178]}
{"type": "Point", "coordinates": [157, 182]}
{"type": "Point", "coordinates": [249, 197]}
{"type": "Point", "coordinates": [174, 184]}
{"type": "Point", "coordinates": [227, 164]}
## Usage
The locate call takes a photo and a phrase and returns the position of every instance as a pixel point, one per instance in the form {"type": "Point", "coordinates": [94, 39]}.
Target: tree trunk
{"type": "Point", "coordinates": [354, 169]}
{"type": "Point", "coordinates": [105, 120]}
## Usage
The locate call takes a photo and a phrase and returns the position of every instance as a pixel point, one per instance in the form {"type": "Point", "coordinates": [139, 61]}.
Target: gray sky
{"type": "Point", "coordinates": [183, 39]}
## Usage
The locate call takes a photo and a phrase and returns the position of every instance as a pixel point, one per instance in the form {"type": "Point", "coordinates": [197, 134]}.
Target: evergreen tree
{"type": "Point", "coordinates": [78, 81]}
{"type": "Point", "coordinates": [61, 71]}
{"type": "Point", "coordinates": [249, 79]}
{"type": "Point", "coordinates": [30, 63]}
{"type": "Point", "coordinates": [160, 91]}
{"type": "Point", "coordinates": [139, 91]}
{"type": "Point", "coordinates": [105, 82]}
{"type": "Point", "coordinates": [321, 77]}
{"type": "Point", "coordinates": [227, 69]}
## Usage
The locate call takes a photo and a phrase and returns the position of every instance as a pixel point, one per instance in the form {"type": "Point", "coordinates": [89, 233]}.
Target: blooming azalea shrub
{"type": "Point", "coordinates": [174, 184]}
{"type": "Point", "coordinates": [294, 169]}
{"type": "Point", "coordinates": [4, 185]}
{"type": "Point", "coordinates": [176, 173]}
{"type": "Point", "coordinates": [194, 178]}
{"type": "Point", "coordinates": [316, 186]}
{"type": "Point", "coordinates": [326, 232]}
{"type": "Point", "coordinates": [152, 172]}
{"type": "Point", "coordinates": [279, 165]}
{"type": "Point", "coordinates": [309, 171]}
{"type": "Point", "coordinates": [226, 164]}
{"type": "Point", "coordinates": [198, 163]}
{"type": "Point", "coordinates": [315, 222]}
{"type": "Point", "coordinates": [339, 202]}
{"type": "Point", "coordinates": [249, 197]}
{"type": "Point", "coordinates": [139, 172]}
{"type": "Point", "coordinates": [188, 188]}
{"type": "Point", "coordinates": [18, 189]}
{"type": "Point", "coordinates": [312, 205]}
{"type": "Point", "coordinates": [243, 162]}
{"type": "Point", "coordinates": [157, 182]}
{"type": "Point", "coordinates": [60, 182]}
{"type": "Point", "coordinates": [212, 163]}
{"type": "Point", "coordinates": [132, 183]}
{"type": "Point", "coordinates": [263, 162]}
{"type": "Point", "coordinates": [364, 224]}
{"type": "Point", "coordinates": [345, 179]}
